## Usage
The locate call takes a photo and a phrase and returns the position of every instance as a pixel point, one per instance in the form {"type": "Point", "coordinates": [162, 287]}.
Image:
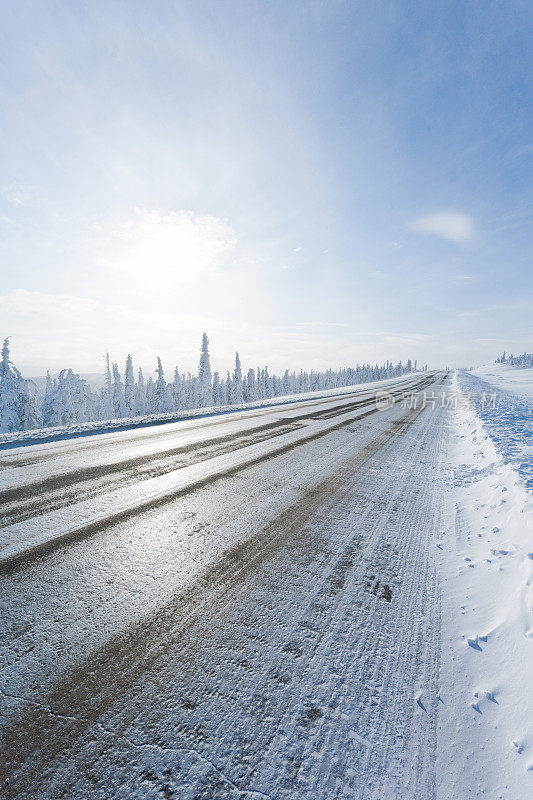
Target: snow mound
{"type": "Point", "coordinates": [505, 406]}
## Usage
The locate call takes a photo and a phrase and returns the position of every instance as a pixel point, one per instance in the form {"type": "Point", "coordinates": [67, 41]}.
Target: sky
{"type": "Point", "coordinates": [312, 183]}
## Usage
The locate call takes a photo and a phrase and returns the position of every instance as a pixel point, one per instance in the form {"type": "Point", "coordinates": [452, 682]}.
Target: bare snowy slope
{"type": "Point", "coordinates": [518, 380]}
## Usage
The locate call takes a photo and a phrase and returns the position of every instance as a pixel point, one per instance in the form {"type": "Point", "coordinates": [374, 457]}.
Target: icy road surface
{"type": "Point", "coordinates": [236, 607]}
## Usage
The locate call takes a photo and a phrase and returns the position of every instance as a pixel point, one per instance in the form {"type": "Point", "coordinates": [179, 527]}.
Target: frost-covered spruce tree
{"type": "Point", "coordinates": [50, 384]}
{"type": "Point", "coordinates": [69, 401]}
{"type": "Point", "coordinates": [129, 388]}
{"type": "Point", "coordinates": [57, 405]}
{"type": "Point", "coordinates": [228, 394]}
{"type": "Point", "coordinates": [168, 399]}
{"type": "Point", "coordinates": [250, 394]}
{"type": "Point", "coordinates": [150, 396]}
{"type": "Point", "coordinates": [217, 393]}
{"type": "Point", "coordinates": [177, 391]}
{"type": "Point", "coordinates": [119, 405]}
{"type": "Point", "coordinates": [106, 404]}
{"type": "Point", "coordinates": [162, 398]}
{"type": "Point", "coordinates": [140, 396]}
{"type": "Point", "coordinates": [237, 387]}
{"type": "Point", "coordinates": [268, 383]}
{"type": "Point", "coordinates": [85, 404]}
{"type": "Point", "coordinates": [19, 400]}
{"type": "Point", "coordinates": [205, 388]}
{"type": "Point", "coordinates": [286, 383]}
{"type": "Point", "coordinates": [193, 391]}
{"type": "Point", "coordinates": [188, 391]}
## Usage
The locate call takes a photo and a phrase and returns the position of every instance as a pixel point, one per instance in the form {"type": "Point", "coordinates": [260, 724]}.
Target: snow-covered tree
{"type": "Point", "coordinates": [57, 408]}
{"type": "Point", "coordinates": [69, 401]}
{"type": "Point", "coordinates": [193, 392]}
{"type": "Point", "coordinates": [228, 398]}
{"type": "Point", "coordinates": [129, 388]}
{"type": "Point", "coordinates": [163, 396]}
{"type": "Point", "coordinates": [177, 391]}
{"type": "Point", "coordinates": [107, 409]}
{"type": "Point", "coordinates": [237, 387]}
{"type": "Point", "coordinates": [160, 386]}
{"type": "Point", "coordinates": [86, 404]}
{"type": "Point", "coordinates": [150, 395]}
{"type": "Point", "coordinates": [205, 388]}
{"type": "Point", "coordinates": [50, 384]}
{"type": "Point", "coordinates": [19, 400]}
{"type": "Point", "coordinates": [140, 396]}
{"type": "Point", "coordinates": [250, 393]}
{"type": "Point", "coordinates": [119, 404]}
{"type": "Point", "coordinates": [217, 390]}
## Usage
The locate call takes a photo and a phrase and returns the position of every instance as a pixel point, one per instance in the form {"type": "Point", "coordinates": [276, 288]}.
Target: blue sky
{"type": "Point", "coordinates": [313, 183]}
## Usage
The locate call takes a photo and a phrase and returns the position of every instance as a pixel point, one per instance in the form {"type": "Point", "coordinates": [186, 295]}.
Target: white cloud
{"type": "Point", "coordinates": [171, 247]}
{"type": "Point", "coordinates": [452, 225]}
{"type": "Point", "coordinates": [14, 198]}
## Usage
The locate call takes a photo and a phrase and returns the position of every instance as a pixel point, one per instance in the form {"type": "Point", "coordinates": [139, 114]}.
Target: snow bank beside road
{"type": "Point", "coordinates": [485, 746]}
{"type": "Point", "coordinates": [506, 410]}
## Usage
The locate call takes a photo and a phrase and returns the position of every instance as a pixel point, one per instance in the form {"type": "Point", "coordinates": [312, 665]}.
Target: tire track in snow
{"type": "Point", "coordinates": [253, 608]}
{"type": "Point", "coordinates": [23, 502]}
{"type": "Point", "coordinates": [14, 555]}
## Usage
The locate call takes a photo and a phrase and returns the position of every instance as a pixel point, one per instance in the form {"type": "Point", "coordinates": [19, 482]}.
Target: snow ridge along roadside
{"type": "Point", "coordinates": [485, 746]}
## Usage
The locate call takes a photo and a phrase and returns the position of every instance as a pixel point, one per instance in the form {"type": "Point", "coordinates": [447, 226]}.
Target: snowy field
{"type": "Point", "coordinates": [517, 380]}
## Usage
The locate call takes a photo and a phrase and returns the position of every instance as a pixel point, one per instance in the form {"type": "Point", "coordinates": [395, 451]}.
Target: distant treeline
{"type": "Point", "coordinates": [68, 399]}
{"type": "Point", "coordinates": [525, 360]}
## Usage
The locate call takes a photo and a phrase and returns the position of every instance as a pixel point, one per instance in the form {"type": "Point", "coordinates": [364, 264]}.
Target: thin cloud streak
{"type": "Point", "coordinates": [452, 225]}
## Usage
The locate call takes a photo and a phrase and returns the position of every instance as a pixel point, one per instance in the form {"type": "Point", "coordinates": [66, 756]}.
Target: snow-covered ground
{"type": "Point", "coordinates": [317, 599]}
{"type": "Point", "coordinates": [485, 742]}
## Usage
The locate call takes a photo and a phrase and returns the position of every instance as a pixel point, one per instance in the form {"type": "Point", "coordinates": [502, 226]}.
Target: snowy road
{"type": "Point", "coordinates": [236, 607]}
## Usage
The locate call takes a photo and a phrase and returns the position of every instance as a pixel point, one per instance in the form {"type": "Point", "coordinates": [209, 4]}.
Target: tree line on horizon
{"type": "Point", "coordinates": [524, 360]}
{"type": "Point", "coordinates": [69, 399]}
